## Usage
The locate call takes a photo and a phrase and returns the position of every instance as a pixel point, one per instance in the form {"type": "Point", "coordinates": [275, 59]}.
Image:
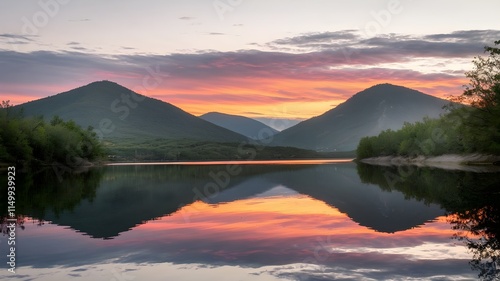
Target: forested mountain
{"type": "Point", "coordinates": [474, 128]}
{"type": "Point", "coordinates": [242, 125]}
{"type": "Point", "coordinates": [119, 113]}
{"type": "Point", "coordinates": [367, 113]}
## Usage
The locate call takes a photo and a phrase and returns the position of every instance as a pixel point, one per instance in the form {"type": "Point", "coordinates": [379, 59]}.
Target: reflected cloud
{"type": "Point", "coordinates": [272, 222]}
{"type": "Point", "coordinates": [470, 197]}
{"type": "Point", "coordinates": [253, 232]}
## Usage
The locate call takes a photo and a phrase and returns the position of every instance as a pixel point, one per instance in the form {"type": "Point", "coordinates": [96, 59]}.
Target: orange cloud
{"type": "Point", "coordinates": [282, 97]}
{"type": "Point", "coordinates": [277, 218]}
{"type": "Point", "coordinates": [269, 84]}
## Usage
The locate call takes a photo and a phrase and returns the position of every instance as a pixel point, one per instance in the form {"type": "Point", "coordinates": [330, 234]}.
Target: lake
{"type": "Point", "coordinates": [326, 220]}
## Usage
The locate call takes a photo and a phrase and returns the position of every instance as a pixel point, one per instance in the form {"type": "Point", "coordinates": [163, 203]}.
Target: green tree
{"type": "Point", "coordinates": [365, 148]}
{"type": "Point", "coordinates": [32, 141]}
{"type": "Point", "coordinates": [465, 129]}
{"type": "Point", "coordinates": [482, 123]}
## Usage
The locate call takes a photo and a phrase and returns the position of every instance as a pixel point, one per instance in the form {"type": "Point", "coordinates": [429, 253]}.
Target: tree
{"type": "Point", "coordinates": [483, 91]}
{"type": "Point", "coordinates": [56, 120]}
{"type": "Point", "coordinates": [481, 122]}
{"type": "Point", "coordinates": [365, 148]}
{"type": "Point", "coordinates": [5, 104]}
{"type": "Point", "coordinates": [32, 141]}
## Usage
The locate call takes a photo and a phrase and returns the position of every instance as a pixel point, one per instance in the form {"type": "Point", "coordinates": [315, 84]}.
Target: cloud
{"type": "Point", "coordinates": [16, 42]}
{"type": "Point", "coordinates": [16, 39]}
{"type": "Point", "coordinates": [397, 270]}
{"type": "Point", "coordinates": [252, 113]}
{"type": "Point", "coordinates": [79, 48]}
{"type": "Point", "coordinates": [458, 43]}
{"type": "Point", "coordinates": [333, 90]}
{"type": "Point", "coordinates": [17, 36]}
{"type": "Point", "coordinates": [322, 67]}
{"type": "Point", "coordinates": [466, 36]}
{"type": "Point", "coordinates": [318, 37]}
{"type": "Point", "coordinates": [187, 18]}
{"type": "Point", "coordinates": [79, 20]}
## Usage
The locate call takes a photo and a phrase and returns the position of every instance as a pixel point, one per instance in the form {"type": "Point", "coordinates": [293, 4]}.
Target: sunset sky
{"type": "Point", "coordinates": [258, 58]}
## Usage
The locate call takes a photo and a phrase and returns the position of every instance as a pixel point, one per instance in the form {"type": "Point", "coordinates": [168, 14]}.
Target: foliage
{"type": "Point", "coordinates": [483, 94]}
{"type": "Point", "coordinates": [465, 129]}
{"type": "Point", "coordinates": [32, 141]}
{"type": "Point", "coordinates": [427, 137]}
{"type": "Point", "coordinates": [484, 85]}
{"type": "Point", "coordinates": [158, 149]}
{"type": "Point", "coordinates": [470, 199]}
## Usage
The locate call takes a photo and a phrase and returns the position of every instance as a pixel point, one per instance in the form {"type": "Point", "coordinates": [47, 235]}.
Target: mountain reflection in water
{"type": "Point", "coordinates": [340, 219]}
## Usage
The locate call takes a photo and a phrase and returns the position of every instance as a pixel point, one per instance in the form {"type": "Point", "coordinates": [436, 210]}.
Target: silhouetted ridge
{"type": "Point", "coordinates": [367, 113]}
{"type": "Point", "coordinates": [121, 113]}
{"type": "Point", "coordinates": [242, 125]}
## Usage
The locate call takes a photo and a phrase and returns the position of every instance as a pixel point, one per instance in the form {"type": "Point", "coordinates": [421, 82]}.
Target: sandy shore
{"type": "Point", "coordinates": [466, 162]}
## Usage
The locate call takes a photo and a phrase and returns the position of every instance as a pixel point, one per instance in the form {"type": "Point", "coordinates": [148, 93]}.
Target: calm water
{"type": "Point", "coordinates": [330, 221]}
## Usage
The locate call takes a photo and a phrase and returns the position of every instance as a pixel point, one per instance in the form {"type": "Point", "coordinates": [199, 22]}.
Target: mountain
{"type": "Point", "coordinates": [279, 123]}
{"type": "Point", "coordinates": [120, 205]}
{"type": "Point", "coordinates": [119, 113]}
{"type": "Point", "coordinates": [340, 187]}
{"type": "Point", "coordinates": [367, 113]}
{"type": "Point", "coordinates": [242, 125]}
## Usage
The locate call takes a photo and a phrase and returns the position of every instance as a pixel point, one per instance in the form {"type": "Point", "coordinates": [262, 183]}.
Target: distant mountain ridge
{"type": "Point", "coordinates": [242, 125]}
{"type": "Point", "coordinates": [119, 113]}
{"type": "Point", "coordinates": [367, 113]}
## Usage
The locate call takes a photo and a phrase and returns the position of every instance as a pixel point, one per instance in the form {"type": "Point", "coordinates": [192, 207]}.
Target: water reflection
{"type": "Point", "coordinates": [305, 222]}
{"type": "Point", "coordinates": [43, 192]}
{"type": "Point", "coordinates": [478, 224]}
{"type": "Point", "coordinates": [106, 202]}
{"type": "Point", "coordinates": [471, 199]}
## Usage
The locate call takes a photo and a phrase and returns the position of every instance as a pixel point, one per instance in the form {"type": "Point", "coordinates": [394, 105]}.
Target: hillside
{"type": "Point", "coordinates": [367, 113]}
{"type": "Point", "coordinates": [242, 125]}
{"type": "Point", "coordinates": [117, 113]}
{"type": "Point", "coordinates": [280, 123]}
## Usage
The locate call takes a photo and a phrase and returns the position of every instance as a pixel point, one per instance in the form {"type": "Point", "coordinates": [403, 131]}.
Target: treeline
{"type": "Point", "coordinates": [470, 128]}
{"type": "Point", "coordinates": [461, 131]}
{"type": "Point", "coordinates": [191, 150]}
{"type": "Point", "coordinates": [33, 141]}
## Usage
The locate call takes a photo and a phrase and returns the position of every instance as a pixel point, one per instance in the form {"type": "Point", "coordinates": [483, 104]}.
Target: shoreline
{"type": "Point", "coordinates": [238, 162]}
{"type": "Point", "coordinates": [97, 164]}
{"type": "Point", "coordinates": [464, 162]}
